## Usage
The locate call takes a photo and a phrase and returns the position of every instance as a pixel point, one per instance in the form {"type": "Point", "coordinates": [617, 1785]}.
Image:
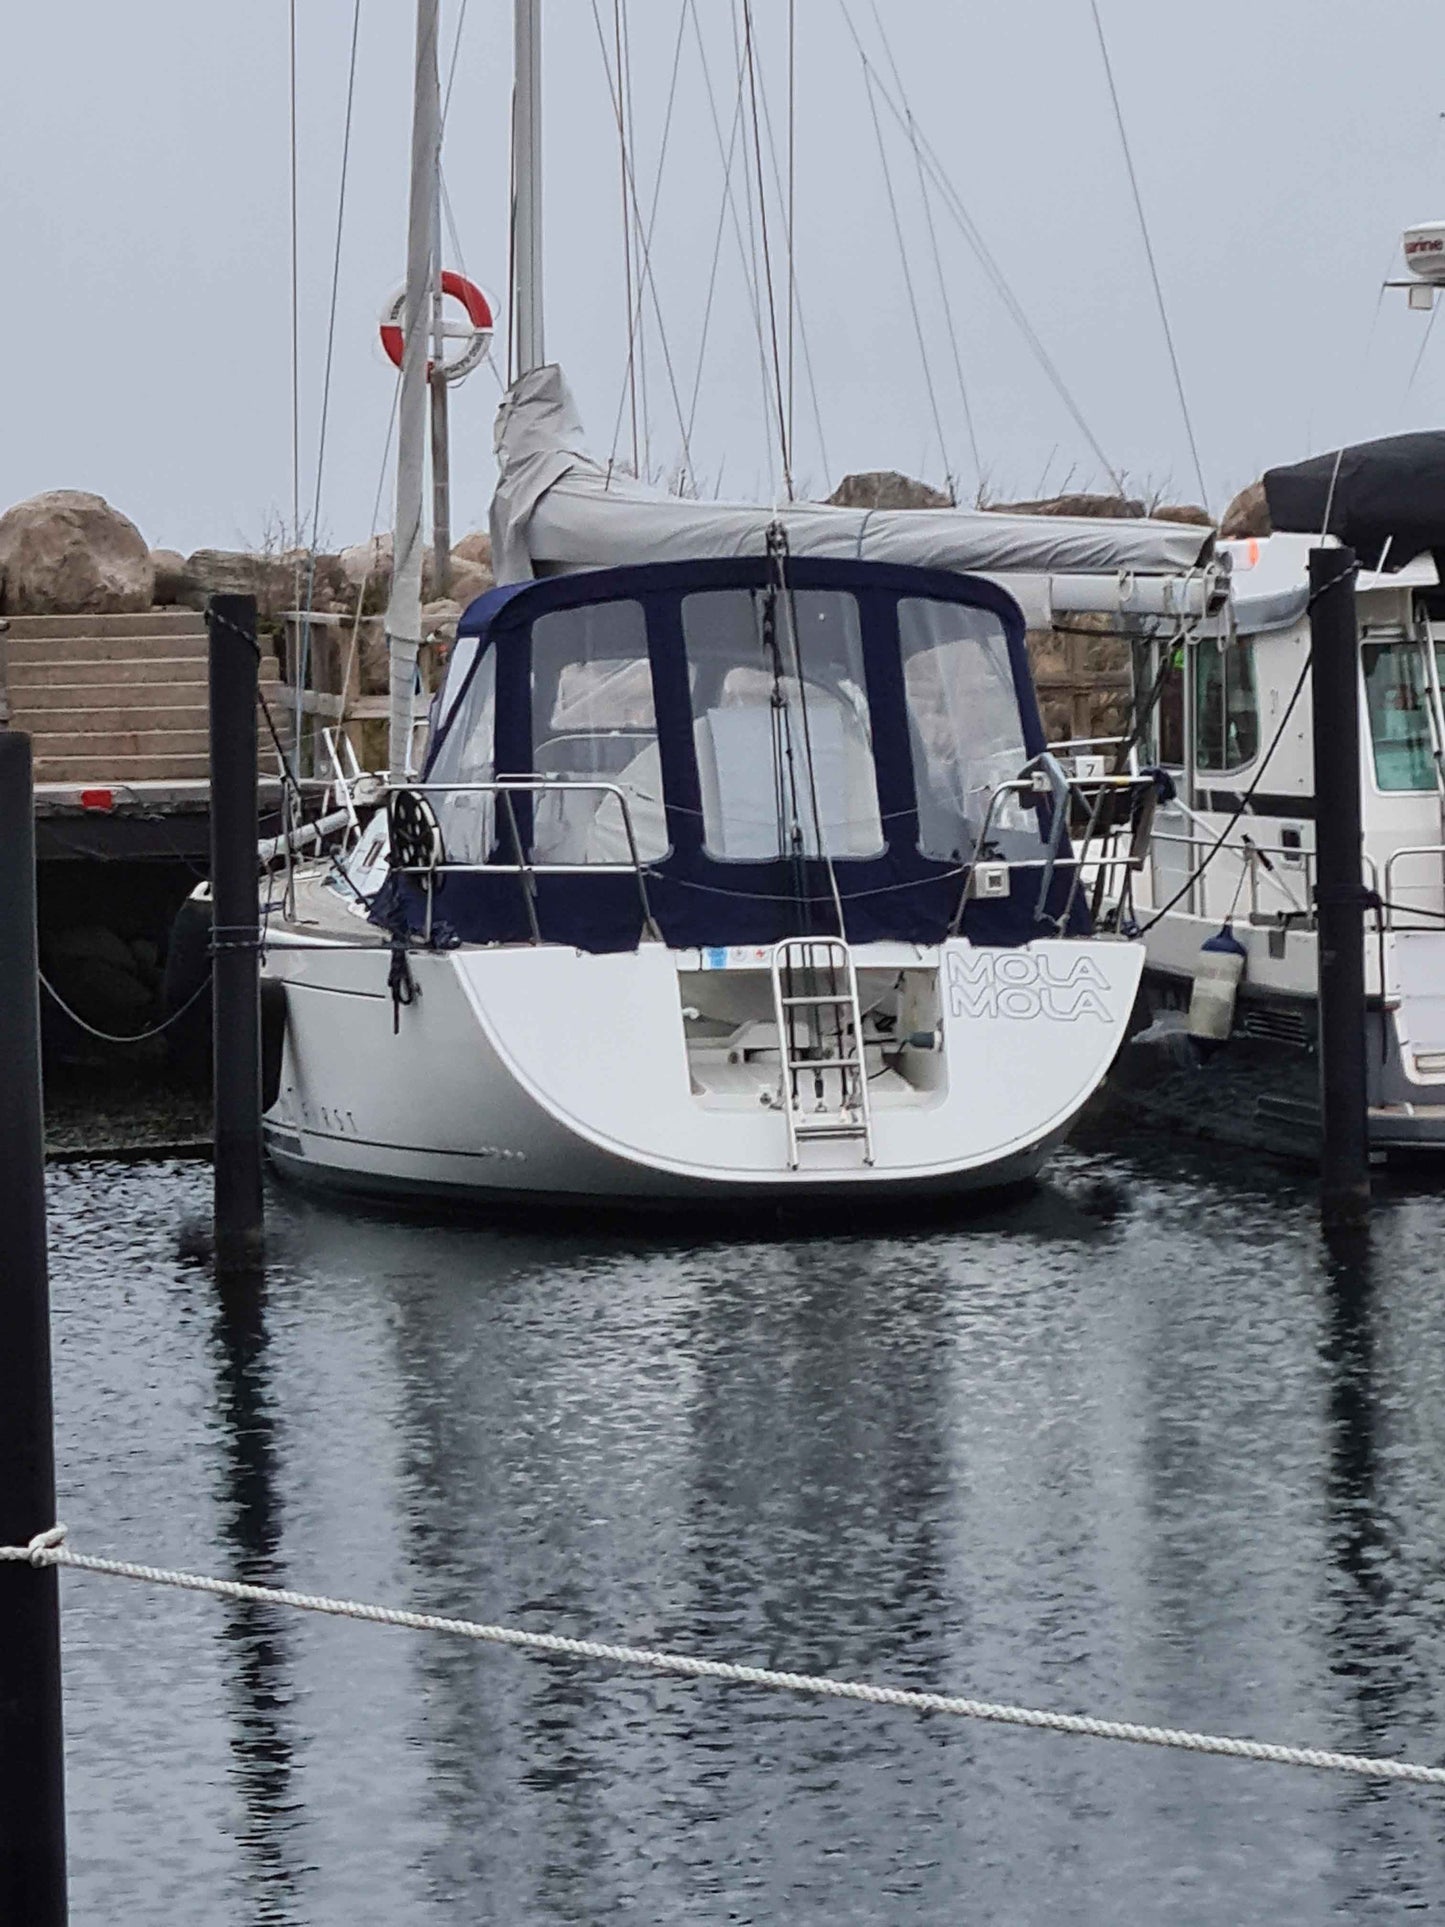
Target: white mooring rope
{"type": "Point", "coordinates": [48, 1549]}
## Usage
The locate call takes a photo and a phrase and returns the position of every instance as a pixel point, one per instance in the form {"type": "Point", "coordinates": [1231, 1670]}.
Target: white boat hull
{"type": "Point", "coordinates": [540, 1072]}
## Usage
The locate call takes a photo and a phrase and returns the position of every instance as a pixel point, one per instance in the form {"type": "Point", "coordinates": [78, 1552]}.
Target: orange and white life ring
{"type": "Point", "coordinates": [475, 333]}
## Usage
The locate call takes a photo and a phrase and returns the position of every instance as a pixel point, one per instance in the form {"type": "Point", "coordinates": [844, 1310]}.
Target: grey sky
{"type": "Point", "coordinates": [1281, 145]}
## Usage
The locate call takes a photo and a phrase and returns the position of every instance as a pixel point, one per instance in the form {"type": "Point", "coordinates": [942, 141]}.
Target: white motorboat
{"type": "Point", "coordinates": [1231, 721]}
{"type": "Point", "coordinates": [736, 866]}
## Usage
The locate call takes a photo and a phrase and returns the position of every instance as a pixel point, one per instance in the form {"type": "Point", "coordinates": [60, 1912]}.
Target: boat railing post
{"type": "Point", "coordinates": [235, 937]}
{"type": "Point", "coordinates": [1339, 888]}
{"type": "Point", "coordinates": [32, 1769]}
{"type": "Point", "coordinates": [1192, 902]}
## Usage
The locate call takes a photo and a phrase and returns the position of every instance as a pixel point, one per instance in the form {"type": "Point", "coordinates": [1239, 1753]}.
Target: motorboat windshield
{"type": "Point", "coordinates": [729, 753]}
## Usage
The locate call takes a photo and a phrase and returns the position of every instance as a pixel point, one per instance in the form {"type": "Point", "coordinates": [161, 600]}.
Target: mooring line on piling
{"type": "Point", "coordinates": [49, 1549]}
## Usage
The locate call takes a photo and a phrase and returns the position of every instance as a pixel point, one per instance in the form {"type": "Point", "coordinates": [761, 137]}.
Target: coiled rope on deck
{"type": "Point", "coordinates": [49, 1549]}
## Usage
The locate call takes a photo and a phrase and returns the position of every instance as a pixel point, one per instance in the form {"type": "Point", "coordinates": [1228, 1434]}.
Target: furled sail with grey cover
{"type": "Point", "coordinates": [556, 508]}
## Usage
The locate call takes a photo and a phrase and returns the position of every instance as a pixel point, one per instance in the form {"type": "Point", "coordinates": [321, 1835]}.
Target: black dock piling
{"type": "Point", "coordinates": [235, 934]}
{"type": "Point", "coordinates": [32, 1768]}
{"type": "Point", "coordinates": [1339, 889]}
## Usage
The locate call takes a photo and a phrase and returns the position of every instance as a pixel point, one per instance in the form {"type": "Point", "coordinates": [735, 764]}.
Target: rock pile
{"type": "Point", "coordinates": [70, 553]}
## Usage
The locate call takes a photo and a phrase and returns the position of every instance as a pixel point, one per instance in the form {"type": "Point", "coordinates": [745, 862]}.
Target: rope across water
{"type": "Point", "coordinates": [49, 1549]}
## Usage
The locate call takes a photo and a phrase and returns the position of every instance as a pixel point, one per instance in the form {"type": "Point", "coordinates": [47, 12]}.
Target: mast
{"type": "Point", "coordinates": [527, 348]}
{"type": "Point", "coordinates": [403, 611]}
{"type": "Point", "coordinates": [441, 501]}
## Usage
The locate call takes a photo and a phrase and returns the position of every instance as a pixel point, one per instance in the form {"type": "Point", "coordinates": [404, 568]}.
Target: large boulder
{"type": "Point", "coordinates": [278, 581]}
{"type": "Point", "coordinates": [1247, 514]}
{"type": "Point", "coordinates": [476, 549]}
{"type": "Point", "coordinates": [368, 564]}
{"type": "Point", "coordinates": [1092, 508]}
{"type": "Point", "coordinates": [69, 553]}
{"type": "Point", "coordinates": [885, 488]}
{"type": "Point", "coordinates": [440, 618]}
{"type": "Point", "coordinates": [468, 581]}
{"type": "Point", "coordinates": [1188, 512]}
{"type": "Point", "coordinates": [269, 578]}
{"type": "Point", "coordinates": [331, 589]}
{"type": "Point", "coordinates": [172, 584]}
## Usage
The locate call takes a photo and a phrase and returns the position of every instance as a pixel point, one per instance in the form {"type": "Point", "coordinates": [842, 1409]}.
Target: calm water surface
{"type": "Point", "coordinates": [1137, 1444]}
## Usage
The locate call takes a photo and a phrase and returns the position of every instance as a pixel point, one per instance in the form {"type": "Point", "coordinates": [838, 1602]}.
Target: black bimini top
{"type": "Point", "coordinates": [1385, 499]}
{"type": "Point", "coordinates": [748, 734]}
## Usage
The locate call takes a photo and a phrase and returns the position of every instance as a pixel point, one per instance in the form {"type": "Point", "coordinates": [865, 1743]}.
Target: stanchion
{"type": "Point", "coordinates": [32, 1773]}
{"type": "Point", "coordinates": [235, 937]}
{"type": "Point", "coordinates": [1339, 889]}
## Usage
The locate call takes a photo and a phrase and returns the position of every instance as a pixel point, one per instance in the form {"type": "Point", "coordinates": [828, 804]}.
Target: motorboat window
{"type": "Point", "coordinates": [783, 747]}
{"type": "Point", "coordinates": [964, 729]}
{"type": "Point", "coordinates": [1225, 705]}
{"type": "Point", "coordinates": [593, 720]}
{"type": "Point", "coordinates": [1165, 729]}
{"type": "Point", "coordinates": [467, 755]}
{"type": "Point", "coordinates": [1397, 696]}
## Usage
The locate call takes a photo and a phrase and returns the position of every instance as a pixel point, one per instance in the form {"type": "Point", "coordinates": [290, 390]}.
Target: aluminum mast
{"type": "Point", "coordinates": [403, 611]}
{"type": "Point", "coordinates": [527, 347]}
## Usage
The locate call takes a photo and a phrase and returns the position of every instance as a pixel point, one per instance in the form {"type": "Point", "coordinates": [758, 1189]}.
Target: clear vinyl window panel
{"type": "Point", "coordinates": [783, 736]}
{"type": "Point", "coordinates": [468, 755]}
{"type": "Point", "coordinates": [593, 720]}
{"type": "Point", "coordinates": [1397, 699]}
{"type": "Point", "coordinates": [964, 730]}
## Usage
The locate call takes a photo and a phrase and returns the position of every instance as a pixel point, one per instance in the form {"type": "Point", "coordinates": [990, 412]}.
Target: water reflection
{"type": "Point", "coordinates": [1136, 1445]}
{"type": "Point", "coordinates": [255, 1636]}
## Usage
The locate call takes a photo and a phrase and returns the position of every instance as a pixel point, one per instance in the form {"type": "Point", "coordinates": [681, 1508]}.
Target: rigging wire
{"type": "Point", "coordinates": [795, 294]}
{"type": "Point", "coordinates": [1424, 344]}
{"type": "Point", "coordinates": [955, 207]}
{"type": "Point", "coordinates": [452, 70]}
{"type": "Point", "coordinates": [748, 44]}
{"type": "Point", "coordinates": [1149, 253]}
{"type": "Point", "coordinates": [792, 197]}
{"type": "Point", "coordinates": [629, 382]}
{"type": "Point", "coordinates": [722, 214]}
{"type": "Point", "coordinates": [624, 89]}
{"type": "Point", "coordinates": [461, 260]}
{"type": "Point", "coordinates": [626, 239]}
{"type": "Point", "coordinates": [729, 206]}
{"type": "Point", "coordinates": [740, 60]}
{"type": "Point", "coordinates": [295, 318]}
{"type": "Point", "coordinates": [304, 650]}
{"type": "Point", "coordinates": [646, 266]}
{"type": "Point", "coordinates": [908, 279]}
{"type": "Point", "coordinates": [942, 278]}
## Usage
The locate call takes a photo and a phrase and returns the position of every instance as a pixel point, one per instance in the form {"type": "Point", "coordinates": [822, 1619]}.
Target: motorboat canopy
{"type": "Point", "coordinates": [730, 752]}
{"type": "Point", "coordinates": [1384, 499]}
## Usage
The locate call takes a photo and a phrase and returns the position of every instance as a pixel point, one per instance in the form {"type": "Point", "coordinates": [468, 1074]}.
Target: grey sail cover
{"type": "Point", "coordinates": [557, 508]}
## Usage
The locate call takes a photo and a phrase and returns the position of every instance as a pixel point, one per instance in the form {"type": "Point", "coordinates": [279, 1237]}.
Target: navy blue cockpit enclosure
{"type": "Point", "coordinates": [714, 747]}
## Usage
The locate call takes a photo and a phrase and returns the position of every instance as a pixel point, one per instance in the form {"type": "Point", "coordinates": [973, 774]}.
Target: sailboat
{"type": "Point", "coordinates": [734, 865]}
